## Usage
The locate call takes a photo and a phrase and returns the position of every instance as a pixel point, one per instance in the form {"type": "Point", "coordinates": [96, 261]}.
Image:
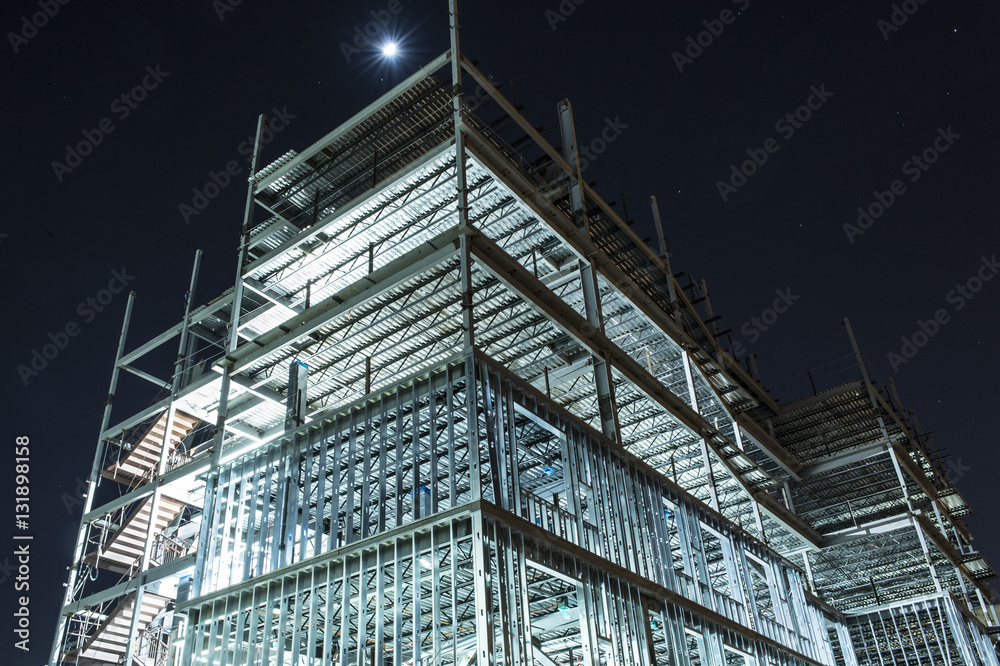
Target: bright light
{"type": "Point", "coordinates": [389, 49]}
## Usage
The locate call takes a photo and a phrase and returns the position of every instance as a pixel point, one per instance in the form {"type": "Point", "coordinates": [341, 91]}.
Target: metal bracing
{"type": "Point", "coordinates": [931, 629]}
{"type": "Point", "coordinates": [72, 589]}
{"type": "Point", "coordinates": [274, 515]}
{"type": "Point", "coordinates": [521, 443]}
{"type": "Point", "coordinates": [625, 507]}
{"type": "Point", "coordinates": [888, 534]}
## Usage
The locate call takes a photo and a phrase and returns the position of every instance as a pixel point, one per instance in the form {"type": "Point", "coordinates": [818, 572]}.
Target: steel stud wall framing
{"type": "Point", "coordinates": [519, 444]}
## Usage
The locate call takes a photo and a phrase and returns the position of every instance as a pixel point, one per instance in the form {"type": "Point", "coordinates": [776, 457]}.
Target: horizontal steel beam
{"type": "Point", "coordinates": [359, 203]}
{"type": "Point", "coordinates": [520, 280]}
{"type": "Point", "coordinates": [392, 274]}
{"type": "Point", "coordinates": [157, 407]}
{"type": "Point", "coordinates": [770, 447]}
{"type": "Point", "coordinates": [356, 119]}
{"type": "Point", "coordinates": [881, 526]}
{"type": "Point", "coordinates": [419, 526]}
{"type": "Point", "coordinates": [145, 375]}
{"type": "Point", "coordinates": [554, 413]}
{"type": "Point", "coordinates": [542, 535]}
{"type": "Point", "coordinates": [588, 252]}
{"type": "Point", "coordinates": [175, 330]}
{"type": "Point", "coordinates": [839, 460]}
{"type": "Point", "coordinates": [592, 197]}
{"type": "Point", "coordinates": [144, 579]}
{"type": "Point", "coordinates": [191, 468]}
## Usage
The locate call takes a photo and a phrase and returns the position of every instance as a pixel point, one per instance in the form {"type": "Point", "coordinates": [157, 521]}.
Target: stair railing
{"type": "Point", "coordinates": [167, 549]}
{"type": "Point", "coordinates": [151, 648]}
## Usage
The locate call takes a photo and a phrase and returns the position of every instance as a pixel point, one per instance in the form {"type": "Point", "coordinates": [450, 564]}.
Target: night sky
{"type": "Point", "coordinates": [902, 124]}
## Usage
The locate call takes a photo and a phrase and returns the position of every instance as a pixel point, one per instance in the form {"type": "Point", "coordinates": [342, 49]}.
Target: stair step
{"type": "Point", "coordinates": [145, 452]}
{"type": "Point", "coordinates": [110, 643]}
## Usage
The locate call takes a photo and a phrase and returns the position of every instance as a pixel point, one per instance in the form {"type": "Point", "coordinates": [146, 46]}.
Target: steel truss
{"type": "Point", "coordinates": [518, 441]}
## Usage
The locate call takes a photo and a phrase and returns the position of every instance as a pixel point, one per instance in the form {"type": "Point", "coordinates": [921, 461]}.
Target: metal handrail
{"type": "Point", "coordinates": [167, 549]}
{"type": "Point", "coordinates": [151, 644]}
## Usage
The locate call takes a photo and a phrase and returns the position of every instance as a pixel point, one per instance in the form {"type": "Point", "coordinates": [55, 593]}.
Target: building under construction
{"type": "Point", "coordinates": [454, 411]}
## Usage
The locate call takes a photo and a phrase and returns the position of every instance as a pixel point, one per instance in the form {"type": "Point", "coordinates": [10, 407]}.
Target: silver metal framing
{"type": "Point", "coordinates": [521, 443]}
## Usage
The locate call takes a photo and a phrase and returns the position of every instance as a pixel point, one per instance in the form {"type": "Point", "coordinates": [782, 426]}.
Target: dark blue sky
{"type": "Point", "coordinates": [833, 106]}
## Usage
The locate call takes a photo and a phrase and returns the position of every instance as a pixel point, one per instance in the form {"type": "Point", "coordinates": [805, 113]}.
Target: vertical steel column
{"type": "Point", "coordinates": [746, 580]}
{"type": "Point", "coordinates": [524, 609]}
{"type": "Point", "coordinates": [892, 456]}
{"type": "Point", "coordinates": [944, 532]}
{"type": "Point", "coordinates": [397, 604]}
{"type": "Point", "coordinates": [483, 581]}
{"type": "Point", "coordinates": [692, 392]}
{"type": "Point", "coordinates": [362, 610]}
{"type": "Point", "coordinates": [462, 193]}
{"type": "Point", "coordinates": [844, 637]}
{"type": "Point", "coordinates": [506, 582]}
{"type": "Point", "coordinates": [437, 650]}
{"type": "Point", "coordinates": [809, 572]}
{"type": "Point", "coordinates": [737, 435]}
{"type": "Point", "coordinates": [713, 645]}
{"type": "Point", "coordinates": [480, 547]}
{"type": "Point", "coordinates": [588, 618]}
{"type": "Point", "coordinates": [663, 251]}
{"type": "Point", "coordinates": [237, 304]}
{"type": "Point", "coordinates": [736, 591]}
{"type": "Point", "coordinates": [779, 600]}
{"type": "Point", "coordinates": [958, 633]}
{"type": "Point", "coordinates": [671, 288]}
{"type": "Point", "coordinates": [453, 562]}
{"type": "Point", "coordinates": [989, 610]}
{"type": "Point", "coordinates": [165, 444]}
{"type": "Point", "coordinates": [211, 483]}
{"type": "Point", "coordinates": [379, 607]}
{"type": "Point", "coordinates": [588, 279]}
{"type": "Point", "coordinates": [88, 500]}
{"type": "Point", "coordinates": [674, 628]}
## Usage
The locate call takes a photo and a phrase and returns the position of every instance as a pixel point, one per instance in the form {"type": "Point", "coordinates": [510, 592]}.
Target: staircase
{"type": "Point", "coordinates": [136, 465]}
{"type": "Point", "coordinates": [109, 642]}
{"type": "Point", "coordinates": [120, 552]}
{"type": "Point", "coordinates": [102, 635]}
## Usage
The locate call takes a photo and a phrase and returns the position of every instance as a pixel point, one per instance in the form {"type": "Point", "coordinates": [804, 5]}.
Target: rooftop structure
{"type": "Point", "coordinates": [455, 411]}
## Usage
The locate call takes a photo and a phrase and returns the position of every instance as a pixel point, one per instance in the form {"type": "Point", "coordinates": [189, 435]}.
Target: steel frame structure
{"type": "Point", "coordinates": [518, 441]}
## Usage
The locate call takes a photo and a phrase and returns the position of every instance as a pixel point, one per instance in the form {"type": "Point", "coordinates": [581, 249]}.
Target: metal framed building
{"type": "Point", "coordinates": [454, 411]}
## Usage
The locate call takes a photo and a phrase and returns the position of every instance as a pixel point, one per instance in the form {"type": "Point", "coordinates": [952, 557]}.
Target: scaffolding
{"type": "Point", "coordinates": [454, 411]}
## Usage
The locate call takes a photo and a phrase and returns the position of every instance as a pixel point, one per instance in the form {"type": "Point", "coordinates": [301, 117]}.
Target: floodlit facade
{"type": "Point", "coordinates": [453, 411]}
